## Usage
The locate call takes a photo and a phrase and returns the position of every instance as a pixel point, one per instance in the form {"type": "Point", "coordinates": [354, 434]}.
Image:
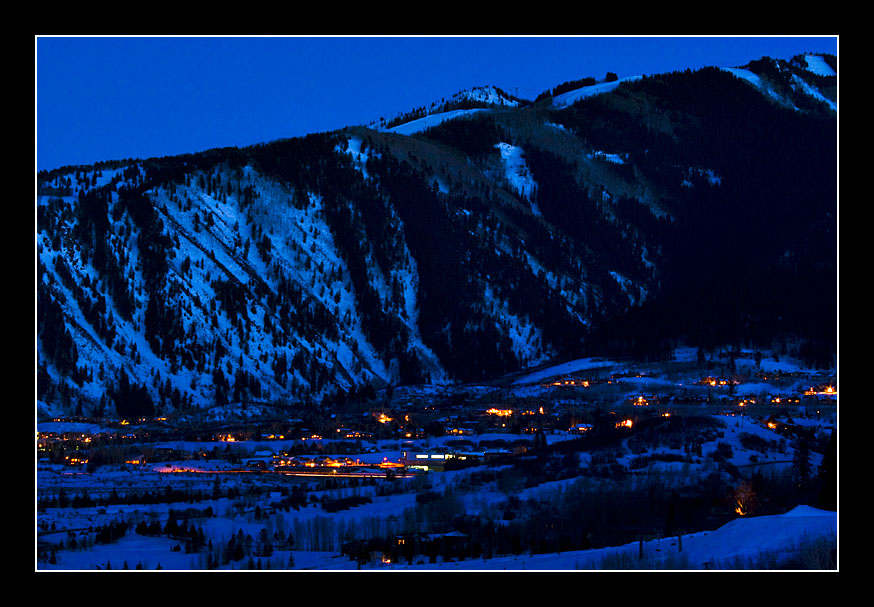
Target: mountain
{"type": "Point", "coordinates": [476, 238]}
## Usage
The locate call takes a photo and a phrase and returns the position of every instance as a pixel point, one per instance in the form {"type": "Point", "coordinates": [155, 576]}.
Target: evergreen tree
{"type": "Point", "coordinates": [801, 467]}
{"type": "Point", "coordinates": [828, 474]}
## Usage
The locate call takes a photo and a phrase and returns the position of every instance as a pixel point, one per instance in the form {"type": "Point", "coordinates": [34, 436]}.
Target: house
{"type": "Point", "coordinates": [136, 460]}
{"type": "Point", "coordinates": [785, 400]}
{"type": "Point", "coordinates": [716, 381]}
{"type": "Point", "coordinates": [567, 382]}
{"type": "Point", "coordinates": [344, 432]}
{"type": "Point", "coordinates": [424, 461]}
{"type": "Point", "coordinates": [643, 400]}
{"type": "Point", "coordinates": [75, 460]}
{"type": "Point", "coordinates": [823, 392]}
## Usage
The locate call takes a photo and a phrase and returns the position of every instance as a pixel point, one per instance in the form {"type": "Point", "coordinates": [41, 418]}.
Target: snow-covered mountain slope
{"type": "Point", "coordinates": [797, 83]}
{"type": "Point", "coordinates": [476, 239]}
{"type": "Point", "coordinates": [571, 97]}
{"type": "Point", "coordinates": [431, 120]}
{"type": "Point", "coordinates": [818, 65]}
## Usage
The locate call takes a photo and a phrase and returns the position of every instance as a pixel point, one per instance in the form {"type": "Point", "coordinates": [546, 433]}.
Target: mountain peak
{"type": "Point", "coordinates": [490, 95]}
{"type": "Point", "coordinates": [475, 98]}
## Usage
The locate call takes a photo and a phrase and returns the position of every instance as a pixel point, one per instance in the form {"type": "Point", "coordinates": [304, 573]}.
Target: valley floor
{"type": "Point", "coordinates": [219, 512]}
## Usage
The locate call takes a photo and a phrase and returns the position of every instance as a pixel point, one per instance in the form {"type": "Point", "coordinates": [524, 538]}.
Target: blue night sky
{"type": "Point", "coordinates": [106, 98]}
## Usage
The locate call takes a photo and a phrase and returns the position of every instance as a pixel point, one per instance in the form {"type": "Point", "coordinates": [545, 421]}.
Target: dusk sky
{"type": "Point", "coordinates": [106, 98]}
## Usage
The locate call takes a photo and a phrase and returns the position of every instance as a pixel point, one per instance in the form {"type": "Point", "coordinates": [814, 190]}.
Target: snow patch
{"type": "Point", "coordinates": [755, 80]}
{"type": "Point", "coordinates": [432, 120]}
{"type": "Point", "coordinates": [353, 148]}
{"type": "Point", "coordinates": [571, 97]}
{"type": "Point", "coordinates": [813, 92]}
{"type": "Point", "coordinates": [614, 158]}
{"type": "Point", "coordinates": [817, 65]}
{"type": "Point", "coordinates": [526, 338]}
{"type": "Point", "coordinates": [517, 172]}
{"type": "Point", "coordinates": [628, 287]}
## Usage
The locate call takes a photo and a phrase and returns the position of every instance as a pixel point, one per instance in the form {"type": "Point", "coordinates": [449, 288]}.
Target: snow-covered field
{"type": "Point", "coordinates": [738, 541]}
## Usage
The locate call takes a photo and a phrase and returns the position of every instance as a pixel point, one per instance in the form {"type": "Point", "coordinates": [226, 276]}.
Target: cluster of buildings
{"type": "Point", "coordinates": [416, 418]}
